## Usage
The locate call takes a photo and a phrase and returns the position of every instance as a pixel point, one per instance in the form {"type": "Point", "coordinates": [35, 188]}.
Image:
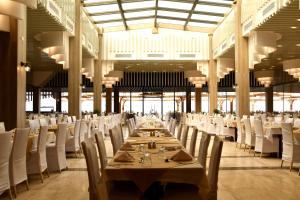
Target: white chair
{"type": "Point", "coordinates": [53, 121]}
{"type": "Point", "coordinates": [249, 135]}
{"type": "Point", "coordinates": [101, 150]}
{"type": "Point", "coordinates": [118, 190]}
{"type": "Point", "coordinates": [2, 127]}
{"type": "Point", "coordinates": [43, 122]}
{"type": "Point", "coordinates": [74, 119]}
{"type": "Point", "coordinates": [179, 131]}
{"type": "Point", "coordinates": [56, 153]}
{"type": "Point", "coordinates": [192, 147]}
{"type": "Point", "coordinates": [129, 126]}
{"type": "Point", "coordinates": [17, 161]}
{"type": "Point", "coordinates": [116, 139]}
{"type": "Point", "coordinates": [180, 191]}
{"type": "Point", "coordinates": [34, 125]}
{"type": "Point", "coordinates": [204, 143]}
{"type": "Point", "coordinates": [37, 161]}
{"type": "Point", "coordinates": [291, 150]}
{"type": "Point", "coordinates": [297, 122]}
{"type": "Point", "coordinates": [184, 134]}
{"type": "Point", "coordinates": [5, 150]}
{"type": "Point", "coordinates": [69, 120]}
{"type": "Point", "coordinates": [82, 131]}
{"type": "Point", "coordinates": [240, 133]}
{"type": "Point", "coordinates": [221, 130]}
{"type": "Point", "coordinates": [72, 143]}
{"type": "Point", "coordinates": [263, 144]}
{"type": "Point", "coordinates": [173, 126]}
{"type": "Point", "coordinates": [89, 129]}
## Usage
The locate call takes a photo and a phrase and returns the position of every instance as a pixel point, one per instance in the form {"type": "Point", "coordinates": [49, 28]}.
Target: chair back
{"type": "Point", "coordinates": [204, 143]}
{"type": "Point", "coordinates": [258, 128]}
{"type": "Point", "coordinates": [61, 136]}
{"type": "Point", "coordinates": [82, 131]}
{"type": "Point", "coordinates": [17, 162]}
{"type": "Point", "coordinates": [173, 126]}
{"type": "Point", "coordinates": [74, 119]}
{"type": "Point", "coordinates": [53, 121]}
{"type": "Point", "coordinates": [91, 158]}
{"type": "Point", "coordinates": [193, 141]}
{"type": "Point", "coordinates": [185, 132]}
{"type": "Point", "coordinates": [287, 133]}
{"type": "Point", "coordinates": [5, 149]}
{"type": "Point", "coordinates": [213, 171]}
{"type": "Point", "coordinates": [89, 128]}
{"type": "Point", "coordinates": [41, 149]}
{"type": "Point", "coordinates": [76, 134]}
{"type": "Point", "coordinates": [2, 127]}
{"type": "Point", "coordinates": [179, 131]}
{"type": "Point", "coordinates": [297, 122]}
{"type": "Point", "coordinates": [43, 122]}
{"type": "Point", "coordinates": [116, 140]}
{"type": "Point", "coordinates": [129, 126]}
{"type": "Point", "coordinates": [101, 150]}
{"type": "Point", "coordinates": [240, 130]}
{"type": "Point", "coordinates": [120, 130]}
{"type": "Point", "coordinates": [34, 125]}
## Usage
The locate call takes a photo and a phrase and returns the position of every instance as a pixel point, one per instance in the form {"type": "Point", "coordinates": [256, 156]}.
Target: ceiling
{"type": "Point", "coordinates": [154, 66]}
{"type": "Point", "coordinates": [287, 23]}
{"type": "Point", "coordinates": [184, 13]}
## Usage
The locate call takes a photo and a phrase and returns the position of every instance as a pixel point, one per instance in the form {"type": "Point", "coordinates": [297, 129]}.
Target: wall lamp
{"type": "Point", "coordinates": [26, 66]}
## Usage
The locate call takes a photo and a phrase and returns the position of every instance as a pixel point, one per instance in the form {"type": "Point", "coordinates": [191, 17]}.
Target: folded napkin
{"type": "Point", "coordinates": [127, 147]}
{"type": "Point", "coordinates": [123, 157]}
{"type": "Point", "coordinates": [172, 148]}
{"type": "Point", "coordinates": [182, 155]}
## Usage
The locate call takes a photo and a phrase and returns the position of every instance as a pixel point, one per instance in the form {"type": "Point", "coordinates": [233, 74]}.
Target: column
{"type": "Point", "coordinates": [188, 101]}
{"type": "Point", "coordinates": [36, 100]}
{"type": "Point", "coordinates": [108, 100]}
{"type": "Point", "coordinates": [182, 104]}
{"type": "Point", "coordinates": [212, 79]}
{"type": "Point", "coordinates": [269, 99]}
{"type": "Point", "coordinates": [58, 100]}
{"type": "Point", "coordinates": [198, 99]}
{"type": "Point", "coordinates": [241, 65]}
{"type": "Point", "coordinates": [231, 105]}
{"type": "Point", "coordinates": [13, 75]}
{"type": "Point", "coordinates": [116, 102]}
{"type": "Point", "coordinates": [97, 81]}
{"type": "Point", "coordinates": [75, 48]}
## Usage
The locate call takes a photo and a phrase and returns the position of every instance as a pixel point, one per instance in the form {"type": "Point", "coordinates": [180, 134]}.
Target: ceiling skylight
{"type": "Point", "coordinates": [175, 5]}
{"type": "Point", "coordinates": [124, 13]}
{"type": "Point", "coordinates": [139, 14]}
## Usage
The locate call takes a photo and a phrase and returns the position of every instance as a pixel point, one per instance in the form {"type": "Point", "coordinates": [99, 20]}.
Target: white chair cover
{"type": "Point", "coordinates": [56, 154]}
{"type": "Point", "coordinates": [5, 149]}
{"type": "Point", "coordinates": [17, 162]}
{"type": "Point", "coordinates": [2, 127]}
{"type": "Point", "coordinates": [37, 160]}
{"type": "Point", "coordinates": [72, 143]}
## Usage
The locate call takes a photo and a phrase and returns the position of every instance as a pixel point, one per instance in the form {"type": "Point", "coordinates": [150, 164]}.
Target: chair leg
{"type": "Point", "coordinates": [261, 154]}
{"type": "Point", "coordinates": [254, 154]}
{"type": "Point", "coordinates": [245, 146]}
{"type": "Point", "coordinates": [249, 149]}
{"type": "Point", "coordinates": [27, 184]}
{"type": "Point", "coordinates": [15, 190]}
{"type": "Point", "coordinates": [299, 172]}
{"type": "Point", "coordinates": [281, 164]}
{"type": "Point", "coordinates": [42, 178]}
{"type": "Point", "coordinates": [10, 194]}
{"type": "Point", "coordinates": [291, 166]}
{"type": "Point", "coordinates": [47, 171]}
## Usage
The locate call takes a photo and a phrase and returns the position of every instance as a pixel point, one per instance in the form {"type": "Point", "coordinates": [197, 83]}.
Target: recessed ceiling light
{"type": "Point", "coordinates": [298, 20]}
{"type": "Point", "coordinates": [279, 58]}
{"type": "Point", "coordinates": [294, 27]}
{"type": "Point", "coordinates": [298, 45]}
{"type": "Point", "coordinates": [280, 45]}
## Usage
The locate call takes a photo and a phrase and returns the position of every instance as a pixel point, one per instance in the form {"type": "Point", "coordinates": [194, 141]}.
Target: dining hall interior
{"type": "Point", "coordinates": [149, 99]}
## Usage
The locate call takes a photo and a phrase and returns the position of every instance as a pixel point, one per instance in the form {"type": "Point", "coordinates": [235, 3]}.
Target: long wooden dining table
{"type": "Point", "coordinates": [158, 167]}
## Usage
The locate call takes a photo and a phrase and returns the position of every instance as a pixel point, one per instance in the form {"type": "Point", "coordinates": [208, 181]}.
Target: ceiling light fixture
{"type": "Point", "coordinates": [294, 27]}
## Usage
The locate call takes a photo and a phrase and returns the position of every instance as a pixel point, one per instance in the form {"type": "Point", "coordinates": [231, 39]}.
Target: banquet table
{"type": "Point", "coordinates": [156, 168]}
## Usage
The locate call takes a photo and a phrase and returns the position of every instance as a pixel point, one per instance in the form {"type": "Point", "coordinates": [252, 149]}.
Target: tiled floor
{"type": "Point", "coordinates": [241, 177]}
